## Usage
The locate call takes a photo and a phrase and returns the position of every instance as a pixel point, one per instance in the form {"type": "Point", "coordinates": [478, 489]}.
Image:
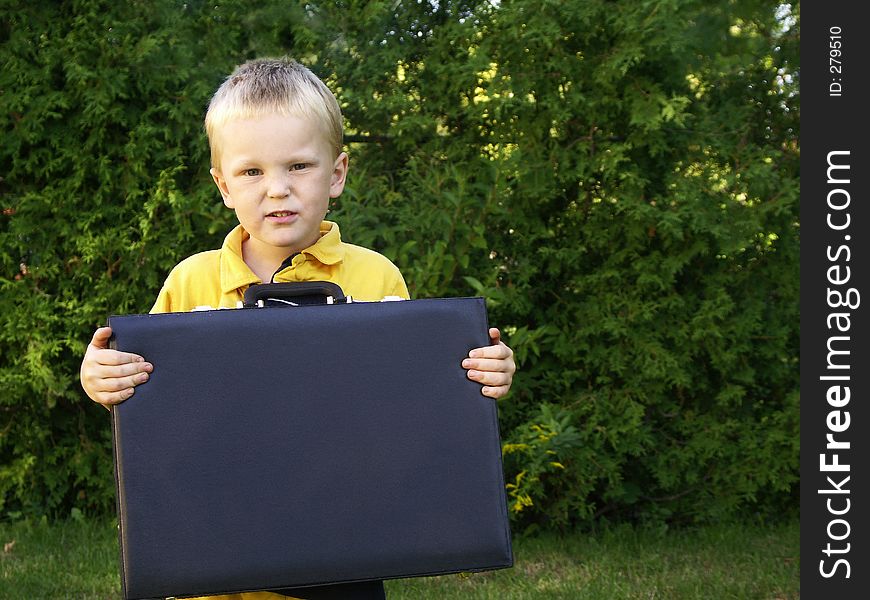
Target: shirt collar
{"type": "Point", "coordinates": [328, 249]}
{"type": "Point", "coordinates": [235, 274]}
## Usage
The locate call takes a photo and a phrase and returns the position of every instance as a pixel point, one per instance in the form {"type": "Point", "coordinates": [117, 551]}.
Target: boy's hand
{"type": "Point", "coordinates": [493, 366]}
{"type": "Point", "coordinates": [109, 376]}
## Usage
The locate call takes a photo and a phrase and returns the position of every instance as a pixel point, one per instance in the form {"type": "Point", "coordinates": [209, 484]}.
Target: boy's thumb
{"type": "Point", "coordinates": [101, 337]}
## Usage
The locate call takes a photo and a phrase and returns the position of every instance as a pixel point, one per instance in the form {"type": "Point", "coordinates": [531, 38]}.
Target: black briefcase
{"type": "Point", "coordinates": [275, 448]}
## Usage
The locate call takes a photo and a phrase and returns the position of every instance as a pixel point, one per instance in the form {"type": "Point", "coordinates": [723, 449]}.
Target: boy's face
{"type": "Point", "coordinates": [278, 173]}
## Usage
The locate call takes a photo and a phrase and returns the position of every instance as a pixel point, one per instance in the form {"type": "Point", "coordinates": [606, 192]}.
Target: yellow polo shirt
{"type": "Point", "coordinates": [219, 278]}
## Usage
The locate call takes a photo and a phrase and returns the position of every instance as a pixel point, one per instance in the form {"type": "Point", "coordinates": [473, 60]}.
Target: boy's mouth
{"type": "Point", "coordinates": [282, 216]}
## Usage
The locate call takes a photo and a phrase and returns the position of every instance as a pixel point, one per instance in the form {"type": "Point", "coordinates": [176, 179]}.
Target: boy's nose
{"type": "Point", "coordinates": [278, 186]}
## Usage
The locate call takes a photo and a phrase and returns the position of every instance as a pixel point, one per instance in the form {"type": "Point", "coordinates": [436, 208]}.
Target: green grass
{"type": "Point", "coordinates": [79, 560]}
{"type": "Point", "coordinates": [72, 560]}
{"type": "Point", "coordinates": [719, 563]}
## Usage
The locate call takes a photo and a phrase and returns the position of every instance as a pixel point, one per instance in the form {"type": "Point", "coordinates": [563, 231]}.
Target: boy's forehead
{"type": "Point", "coordinates": [271, 118]}
{"type": "Point", "coordinates": [271, 131]}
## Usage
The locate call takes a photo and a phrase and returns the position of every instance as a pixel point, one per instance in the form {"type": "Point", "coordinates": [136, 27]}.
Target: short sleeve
{"type": "Point", "coordinates": [163, 304]}
{"type": "Point", "coordinates": [399, 288]}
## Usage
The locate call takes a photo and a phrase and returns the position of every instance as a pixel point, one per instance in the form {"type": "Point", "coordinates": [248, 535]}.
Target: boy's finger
{"type": "Point", "coordinates": [488, 364]}
{"type": "Point", "coordinates": [499, 351]}
{"type": "Point", "coordinates": [114, 357]}
{"type": "Point", "coordinates": [110, 398]}
{"type": "Point", "coordinates": [119, 384]}
{"type": "Point", "coordinates": [122, 370]}
{"type": "Point", "coordinates": [490, 378]}
{"type": "Point", "coordinates": [494, 391]}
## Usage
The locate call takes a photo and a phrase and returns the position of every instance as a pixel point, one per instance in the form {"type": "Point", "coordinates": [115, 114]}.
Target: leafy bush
{"type": "Point", "coordinates": [620, 180]}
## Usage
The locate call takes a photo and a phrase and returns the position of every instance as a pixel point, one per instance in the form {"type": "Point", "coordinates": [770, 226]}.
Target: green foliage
{"type": "Point", "coordinates": [620, 180]}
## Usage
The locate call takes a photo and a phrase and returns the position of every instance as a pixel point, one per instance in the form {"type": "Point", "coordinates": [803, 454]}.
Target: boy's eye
{"type": "Point", "coordinates": [251, 172]}
{"type": "Point", "coordinates": [298, 166]}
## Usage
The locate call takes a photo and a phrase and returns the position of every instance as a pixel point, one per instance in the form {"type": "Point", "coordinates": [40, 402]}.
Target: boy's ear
{"type": "Point", "coordinates": [221, 184]}
{"type": "Point", "coordinates": [339, 175]}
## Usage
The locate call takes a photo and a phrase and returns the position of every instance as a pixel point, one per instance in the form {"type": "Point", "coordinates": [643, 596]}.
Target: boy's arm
{"type": "Point", "coordinates": [109, 376]}
{"type": "Point", "coordinates": [493, 366]}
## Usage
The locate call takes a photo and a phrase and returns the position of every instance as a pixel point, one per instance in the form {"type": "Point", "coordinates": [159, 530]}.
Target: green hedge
{"type": "Point", "coordinates": [620, 180]}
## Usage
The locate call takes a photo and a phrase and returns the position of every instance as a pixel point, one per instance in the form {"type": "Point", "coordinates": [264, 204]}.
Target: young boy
{"type": "Point", "coordinates": [275, 132]}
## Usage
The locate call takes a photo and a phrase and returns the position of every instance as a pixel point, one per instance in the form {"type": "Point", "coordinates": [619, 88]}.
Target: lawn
{"type": "Point", "coordinates": [79, 560]}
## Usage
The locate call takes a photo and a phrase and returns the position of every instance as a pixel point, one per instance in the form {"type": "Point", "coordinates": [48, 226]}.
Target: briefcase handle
{"type": "Point", "coordinates": [294, 293]}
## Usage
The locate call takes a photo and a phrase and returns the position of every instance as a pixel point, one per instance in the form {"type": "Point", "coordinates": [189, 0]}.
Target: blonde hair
{"type": "Point", "coordinates": [268, 86]}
